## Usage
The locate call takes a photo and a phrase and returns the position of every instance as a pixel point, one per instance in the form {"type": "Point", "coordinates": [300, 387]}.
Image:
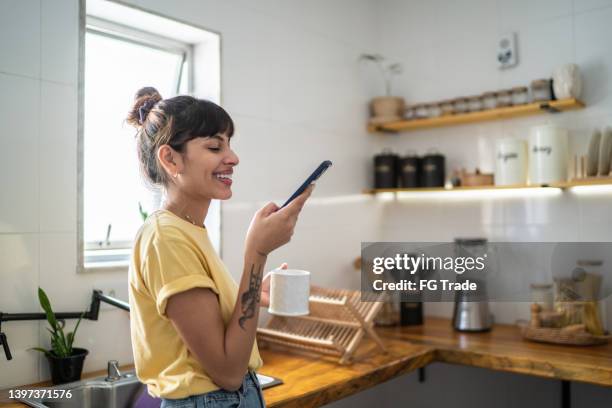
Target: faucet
{"type": "Point", "coordinates": [92, 314]}
{"type": "Point", "coordinates": [5, 346]}
{"type": "Point", "coordinates": [113, 373]}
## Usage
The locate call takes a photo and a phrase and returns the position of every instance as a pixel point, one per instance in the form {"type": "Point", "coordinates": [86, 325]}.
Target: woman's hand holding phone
{"type": "Point", "coordinates": [272, 227]}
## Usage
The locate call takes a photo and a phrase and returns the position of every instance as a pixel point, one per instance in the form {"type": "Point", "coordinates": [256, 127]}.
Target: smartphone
{"type": "Point", "coordinates": [311, 179]}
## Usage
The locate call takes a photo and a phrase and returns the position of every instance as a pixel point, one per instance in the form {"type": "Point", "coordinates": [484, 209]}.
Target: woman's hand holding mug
{"type": "Point", "coordinates": [265, 287]}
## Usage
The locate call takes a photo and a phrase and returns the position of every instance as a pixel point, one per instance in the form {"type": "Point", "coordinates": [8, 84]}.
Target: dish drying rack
{"type": "Point", "coordinates": [338, 321]}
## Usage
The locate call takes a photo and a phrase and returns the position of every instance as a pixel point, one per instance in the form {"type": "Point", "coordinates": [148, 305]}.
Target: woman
{"type": "Point", "coordinates": [193, 329]}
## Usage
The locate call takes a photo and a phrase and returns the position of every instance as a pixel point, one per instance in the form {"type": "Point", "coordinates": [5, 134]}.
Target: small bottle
{"type": "Point", "coordinates": [460, 105]}
{"type": "Point", "coordinates": [421, 111]}
{"type": "Point", "coordinates": [504, 98]}
{"type": "Point", "coordinates": [410, 113]}
{"type": "Point", "coordinates": [489, 100]}
{"type": "Point", "coordinates": [434, 110]}
{"type": "Point", "coordinates": [447, 107]}
{"type": "Point", "coordinates": [474, 103]}
{"type": "Point", "coordinates": [520, 95]}
{"type": "Point", "coordinates": [540, 90]}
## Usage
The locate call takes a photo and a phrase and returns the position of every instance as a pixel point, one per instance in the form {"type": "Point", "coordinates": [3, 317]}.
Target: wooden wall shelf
{"type": "Point", "coordinates": [535, 108]}
{"type": "Point", "coordinates": [592, 181]}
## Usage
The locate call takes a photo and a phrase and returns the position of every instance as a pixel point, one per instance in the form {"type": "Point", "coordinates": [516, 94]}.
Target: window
{"type": "Point", "coordinates": [120, 58]}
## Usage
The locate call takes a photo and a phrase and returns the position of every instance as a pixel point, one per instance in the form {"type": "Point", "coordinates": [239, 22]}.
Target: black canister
{"type": "Point", "coordinates": [409, 171]}
{"type": "Point", "coordinates": [432, 170]}
{"type": "Point", "coordinates": [385, 170]}
{"type": "Point", "coordinates": [411, 304]}
{"type": "Point", "coordinates": [411, 313]}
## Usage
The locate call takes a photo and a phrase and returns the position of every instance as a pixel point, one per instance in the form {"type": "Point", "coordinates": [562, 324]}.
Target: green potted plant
{"type": "Point", "coordinates": [65, 361]}
{"type": "Point", "coordinates": [143, 214]}
{"type": "Point", "coordinates": [385, 108]}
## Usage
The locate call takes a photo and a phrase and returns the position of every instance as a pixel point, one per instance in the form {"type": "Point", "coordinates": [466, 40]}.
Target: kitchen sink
{"type": "Point", "coordinates": [116, 390]}
{"type": "Point", "coordinates": [122, 392]}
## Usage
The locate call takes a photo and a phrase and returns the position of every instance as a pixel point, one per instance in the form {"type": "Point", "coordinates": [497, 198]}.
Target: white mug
{"type": "Point", "coordinates": [289, 292]}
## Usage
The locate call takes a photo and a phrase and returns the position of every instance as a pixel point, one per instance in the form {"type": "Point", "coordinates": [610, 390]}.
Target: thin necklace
{"type": "Point", "coordinates": [185, 216]}
{"type": "Point", "coordinates": [188, 218]}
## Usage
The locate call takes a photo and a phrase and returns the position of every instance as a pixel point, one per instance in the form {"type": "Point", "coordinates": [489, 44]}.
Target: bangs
{"type": "Point", "coordinates": [210, 120]}
{"type": "Point", "coordinates": [193, 118]}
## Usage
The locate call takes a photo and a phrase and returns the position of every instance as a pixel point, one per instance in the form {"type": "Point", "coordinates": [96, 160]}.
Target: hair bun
{"type": "Point", "coordinates": [144, 100]}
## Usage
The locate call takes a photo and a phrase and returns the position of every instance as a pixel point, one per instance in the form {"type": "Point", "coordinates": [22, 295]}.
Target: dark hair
{"type": "Point", "coordinates": [174, 121]}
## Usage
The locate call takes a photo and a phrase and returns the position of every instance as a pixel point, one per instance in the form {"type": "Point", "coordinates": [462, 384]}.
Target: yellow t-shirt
{"type": "Point", "coordinates": [170, 256]}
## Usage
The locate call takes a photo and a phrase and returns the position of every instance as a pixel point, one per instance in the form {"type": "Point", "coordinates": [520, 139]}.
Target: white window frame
{"type": "Point", "coordinates": [123, 33]}
{"type": "Point", "coordinates": [206, 52]}
{"type": "Point", "coordinates": [110, 254]}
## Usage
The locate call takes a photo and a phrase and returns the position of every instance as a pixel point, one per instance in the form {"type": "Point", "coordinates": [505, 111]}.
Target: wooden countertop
{"type": "Point", "coordinates": [311, 382]}
{"type": "Point", "coordinates": [314, 381]}
{"type": "Point", "coordinates": [504, 349]}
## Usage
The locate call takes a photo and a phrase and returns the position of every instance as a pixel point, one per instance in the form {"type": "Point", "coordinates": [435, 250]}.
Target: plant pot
{"type": "Point", "coordinates": [387, 108]}
{"type": "Point", "coordinates": [67, 369]}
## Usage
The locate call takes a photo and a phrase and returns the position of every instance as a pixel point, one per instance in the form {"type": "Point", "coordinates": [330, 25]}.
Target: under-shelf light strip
{"type": "Point", "coordinates": [470, 194]}
{"type": "Point", "coordinates": [591, 190]}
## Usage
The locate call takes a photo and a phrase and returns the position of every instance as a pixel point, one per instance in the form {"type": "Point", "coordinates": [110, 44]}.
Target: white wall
{"type": "Point", "coordinates": [289, 79]}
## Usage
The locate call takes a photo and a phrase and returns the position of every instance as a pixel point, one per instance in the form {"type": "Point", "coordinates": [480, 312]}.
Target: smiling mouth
{"type": "Point", "coordinates": [225, 178]}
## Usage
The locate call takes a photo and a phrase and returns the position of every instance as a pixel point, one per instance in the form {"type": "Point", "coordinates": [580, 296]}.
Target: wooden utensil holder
{"type": "Point", "coordinates": [338, 320]}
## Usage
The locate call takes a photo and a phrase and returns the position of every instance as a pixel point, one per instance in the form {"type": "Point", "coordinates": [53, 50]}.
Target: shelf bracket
{"type": "Point", "coordinates": [566, 394]}
{"type": "Point", "coordinates": [382, 129]}
{"type": "Point", "coordinates": [422, 374]}
{"type": "Point", "coordinates": [548, 108]}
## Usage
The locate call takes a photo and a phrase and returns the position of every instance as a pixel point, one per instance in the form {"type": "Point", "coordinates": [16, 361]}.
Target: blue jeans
{"type": "Point", "coordinates": [247, 396]}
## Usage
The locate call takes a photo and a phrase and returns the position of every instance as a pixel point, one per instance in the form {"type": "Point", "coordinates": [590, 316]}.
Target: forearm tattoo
{"type": "Point", "coordinates": [249, 301]}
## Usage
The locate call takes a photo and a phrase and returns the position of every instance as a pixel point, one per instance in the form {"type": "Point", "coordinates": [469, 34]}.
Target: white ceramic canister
{"type": "Point", "coordinates": [548, 154]}
{"type": "Point", "coordinates": [510, 162]}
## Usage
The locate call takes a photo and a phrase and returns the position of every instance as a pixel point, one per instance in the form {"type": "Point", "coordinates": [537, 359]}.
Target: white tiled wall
{"type": "Point", "coordinates": [19, 113]}
{"type": "Point", "coordinates": [59, 42]}
{"type": "Point", "coordinates": [23, 46]}
{"type": "Point", "coordinates": [57, 157]}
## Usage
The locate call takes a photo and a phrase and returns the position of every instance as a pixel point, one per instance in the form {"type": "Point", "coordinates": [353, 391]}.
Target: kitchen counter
{"type": "Point", "coordinates": [311, 382]}
{"type": "Point", "coordinates": [504, 349]}
{"type": "Point", "coordinates": [314, 381]}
